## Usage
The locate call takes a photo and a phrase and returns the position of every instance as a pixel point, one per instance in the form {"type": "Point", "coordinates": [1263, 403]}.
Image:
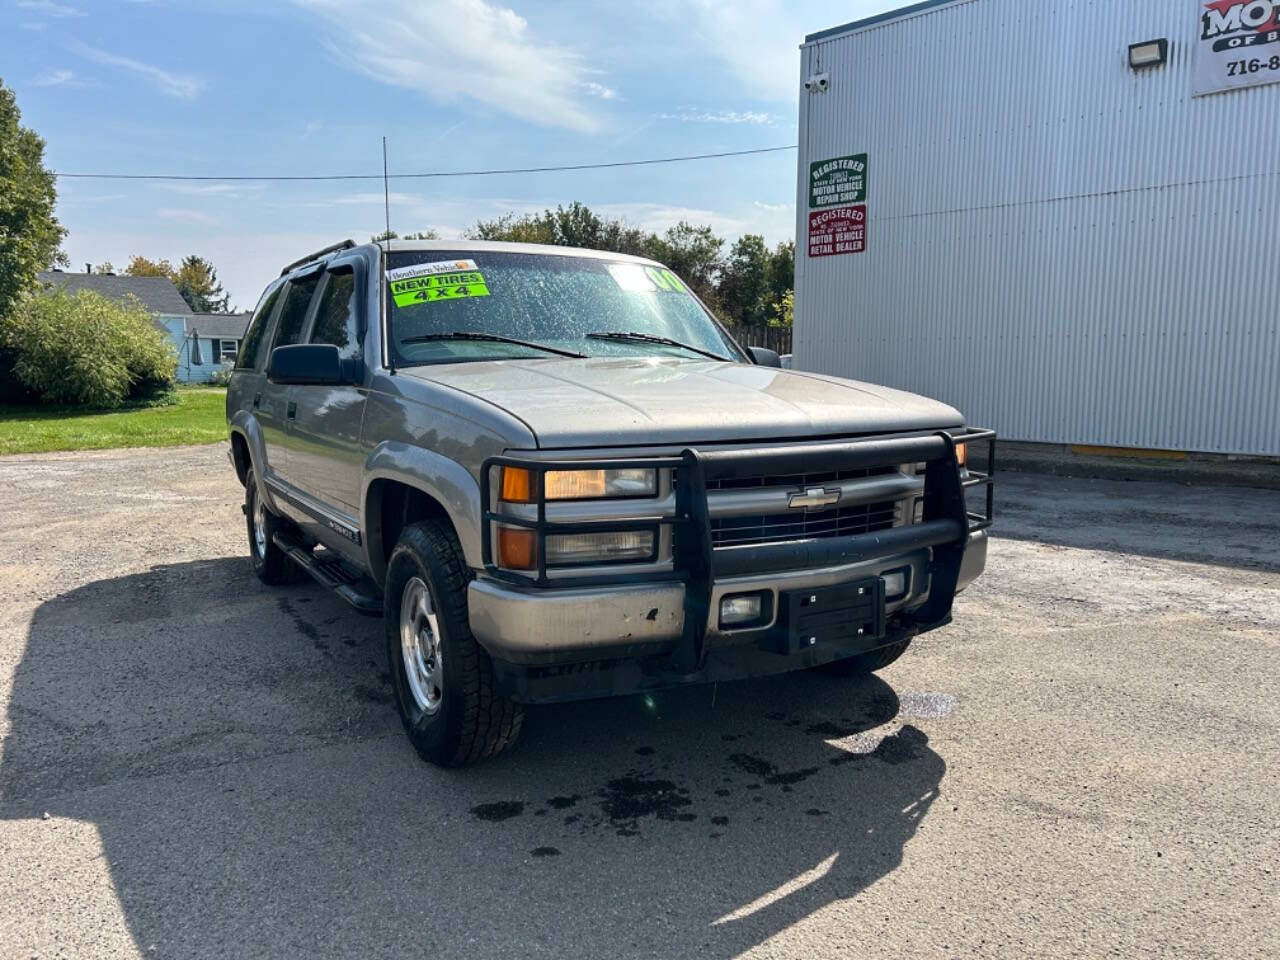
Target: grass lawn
{"type": "Point", "coordinates": [198, 417]}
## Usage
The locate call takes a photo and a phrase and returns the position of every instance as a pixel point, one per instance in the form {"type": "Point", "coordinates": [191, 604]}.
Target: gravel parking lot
{"type": "Point", "coordinates": [195, 765]}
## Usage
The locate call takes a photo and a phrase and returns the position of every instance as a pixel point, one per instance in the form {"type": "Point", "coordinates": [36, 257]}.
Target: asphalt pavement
{"type": "Point", "coordinates": [194, 765]}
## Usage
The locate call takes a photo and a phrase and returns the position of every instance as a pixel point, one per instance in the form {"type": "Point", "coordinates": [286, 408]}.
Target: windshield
{"type": "Point", "coordinates": [441, 301]}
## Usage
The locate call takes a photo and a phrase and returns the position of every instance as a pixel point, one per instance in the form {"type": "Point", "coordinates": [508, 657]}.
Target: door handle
{"type": "Point", "coordinates": [291, 411]}
{"type": "Point", "coordinates": [257, 400]}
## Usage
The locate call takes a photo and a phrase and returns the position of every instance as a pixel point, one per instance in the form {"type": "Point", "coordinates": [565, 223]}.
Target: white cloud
{"type": "Point", "coordinates": [721, 116]}
{"type": "Point", "coordinates": [453, 50]}
{"type": "Point", "coordinates": [184, 215]}
{"type": "Point", "coordinates": [181, 85]}
{"type": "Point", "coordinates": [230, 191]}
{"type": "Point", "coordinates": [598, 90]}
{"type": "Point", "coordinates": [51, 9]}
{"type": "Point", "coordinates": [659, 217]}
{"type": "Point", "coordinates": [758, 39]}
{"type": "Point", "coordinates": [57, 78]}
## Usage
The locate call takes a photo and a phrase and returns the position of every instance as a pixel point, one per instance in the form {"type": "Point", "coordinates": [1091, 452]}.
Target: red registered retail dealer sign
{"type": "Point", "coordinates": [838, 230]}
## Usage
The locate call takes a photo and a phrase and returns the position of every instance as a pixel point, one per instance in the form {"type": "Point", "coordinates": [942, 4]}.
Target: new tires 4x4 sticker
{"type": "Point", "coordinates": [440, 280]}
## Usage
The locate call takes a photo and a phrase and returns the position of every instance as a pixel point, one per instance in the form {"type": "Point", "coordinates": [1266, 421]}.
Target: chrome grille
{"type": "Point", "coordinates": [793, 524]}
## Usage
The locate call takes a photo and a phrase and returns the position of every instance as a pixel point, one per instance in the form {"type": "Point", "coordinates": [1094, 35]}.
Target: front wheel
{"type": "Point", "coordinates": [862, 664]}
{"type": "Point", "coordinates": [443, 678]}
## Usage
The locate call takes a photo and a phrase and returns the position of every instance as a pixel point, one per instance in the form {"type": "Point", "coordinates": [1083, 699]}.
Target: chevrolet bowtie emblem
{"type": "Point", "coordinates": [815, 498]}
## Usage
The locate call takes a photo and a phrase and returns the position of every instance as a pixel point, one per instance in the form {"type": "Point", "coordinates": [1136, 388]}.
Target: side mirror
{"type": "Point", "coordinates": [765, 357]}
{"type": "Point", "coordinates": [306, 363]}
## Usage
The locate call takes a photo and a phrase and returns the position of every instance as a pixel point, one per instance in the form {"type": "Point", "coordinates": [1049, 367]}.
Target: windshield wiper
{"type": "Point", "coordinates": [491, 338]}
{"type": "Point", "coordinates": [634, 337]}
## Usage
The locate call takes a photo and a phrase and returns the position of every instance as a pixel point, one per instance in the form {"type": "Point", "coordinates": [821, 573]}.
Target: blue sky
{"type": "Point", "coordinates": [310, 87]}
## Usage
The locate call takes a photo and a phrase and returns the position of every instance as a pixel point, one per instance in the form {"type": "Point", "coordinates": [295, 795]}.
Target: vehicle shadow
{"type": "Point", "coordinates": [237, 751]}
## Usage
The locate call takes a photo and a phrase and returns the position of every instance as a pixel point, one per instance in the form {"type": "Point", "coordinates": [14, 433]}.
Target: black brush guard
{"type": "Point", "coordinates": [946, 525]}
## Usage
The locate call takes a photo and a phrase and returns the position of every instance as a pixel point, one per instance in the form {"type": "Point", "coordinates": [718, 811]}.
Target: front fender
{"type": "Point", "coordinates": [245, 424]}
{"type": "Point", "coordinates": [444, 480]}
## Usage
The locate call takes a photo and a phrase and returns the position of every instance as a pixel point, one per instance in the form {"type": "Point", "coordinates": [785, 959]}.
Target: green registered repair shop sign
{"type": "Point", "coordinates": [833, 183]}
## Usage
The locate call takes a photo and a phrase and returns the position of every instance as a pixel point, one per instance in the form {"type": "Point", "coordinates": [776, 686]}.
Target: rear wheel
{"type": "Point", "coordinates": [864, 663]}
{"type": "Point", "coordinates": [269, 562]}
{"type": "Point", "coordinates": [443, 678]}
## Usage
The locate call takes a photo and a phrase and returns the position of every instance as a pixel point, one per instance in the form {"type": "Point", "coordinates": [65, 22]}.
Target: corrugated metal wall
{"type": "Point", "coordinates": [1064, 249]}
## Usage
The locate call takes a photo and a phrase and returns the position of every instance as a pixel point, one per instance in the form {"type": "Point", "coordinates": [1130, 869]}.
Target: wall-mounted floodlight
{"type": "Point", "coordinates": [1149, 53]}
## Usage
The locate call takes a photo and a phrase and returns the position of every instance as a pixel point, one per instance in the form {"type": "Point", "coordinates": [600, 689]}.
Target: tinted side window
{"type": "Point", "coordinates": [296, 299]}
{"type": "Point", "coordinates": [336, 315]}
{"type": "Point", "coordinates": [257, 329]}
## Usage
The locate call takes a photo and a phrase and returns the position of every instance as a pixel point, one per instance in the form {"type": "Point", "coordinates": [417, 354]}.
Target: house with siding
{"type": "Point", "coordinates": [203, 341]}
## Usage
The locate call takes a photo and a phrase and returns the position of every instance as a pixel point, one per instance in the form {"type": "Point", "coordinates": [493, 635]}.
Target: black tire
{"type": "Point", "coordinates": [470, 721]}
{"type": "Point", "coordinates": [268, 561]}
{"type": "Point", "coordinates": [865, 663]}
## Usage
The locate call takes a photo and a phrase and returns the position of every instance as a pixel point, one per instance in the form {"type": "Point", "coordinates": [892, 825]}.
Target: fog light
{"type": "Point", "coordinates": [895, 583]}
{"type": "Point", "coordinates": [741, 609]}
{"type": "Point", "coordinates": [569, 549]}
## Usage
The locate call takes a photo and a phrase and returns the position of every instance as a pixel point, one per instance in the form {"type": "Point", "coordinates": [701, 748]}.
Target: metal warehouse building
{"type": "Point", "coordinates": [1061, 217]}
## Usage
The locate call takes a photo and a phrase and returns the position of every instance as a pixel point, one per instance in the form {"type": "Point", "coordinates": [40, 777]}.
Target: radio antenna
{"type": "Point", "coordinates": [386, 258]}
{"type": "Point", "coordinates": [386, 190]}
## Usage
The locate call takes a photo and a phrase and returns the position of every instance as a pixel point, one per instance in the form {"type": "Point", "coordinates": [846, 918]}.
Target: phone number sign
{"type": "Point", "coordinates": [1238, 44]}
{"type": "Point", "coordinates": [839, 230]}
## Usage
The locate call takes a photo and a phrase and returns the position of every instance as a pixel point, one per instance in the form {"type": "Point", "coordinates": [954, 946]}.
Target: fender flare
{"type": "Point", "coordinates": [446, 481]}
{"type": "Point", "coordinates": [248, 427]}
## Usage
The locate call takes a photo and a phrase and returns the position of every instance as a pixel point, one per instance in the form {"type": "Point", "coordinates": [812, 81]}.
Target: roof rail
{"type": "Point", "coordinates": [332, 248]}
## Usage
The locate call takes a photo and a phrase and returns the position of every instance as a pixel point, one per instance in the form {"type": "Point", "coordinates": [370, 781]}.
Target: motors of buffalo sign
{"type": "Point", "coordinates": [839, 230]}
{"type": "Point", "coordinates": [1237, 44]}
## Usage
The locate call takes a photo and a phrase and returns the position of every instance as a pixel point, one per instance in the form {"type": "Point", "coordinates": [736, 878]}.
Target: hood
{"type": "Point", "coordinates": [613, 401]}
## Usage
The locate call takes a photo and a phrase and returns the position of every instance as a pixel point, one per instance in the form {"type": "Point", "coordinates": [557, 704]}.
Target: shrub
{"type": "Point", "coordinates": [222, 376]}
{"type": "Point", "coordinates": [85, 349]}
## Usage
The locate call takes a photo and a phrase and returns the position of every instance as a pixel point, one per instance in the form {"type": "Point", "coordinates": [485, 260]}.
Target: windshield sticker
{"type": "Point", "coordinates": [438, 286]}
{"type": "Point", "coordinates": [426, 269]}
{"type": "Point", "coordinates": [634, 278]}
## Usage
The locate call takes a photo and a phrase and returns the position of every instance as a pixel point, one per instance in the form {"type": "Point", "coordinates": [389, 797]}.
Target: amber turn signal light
{"type": "Point", "coordinates": [517, 485]}
{"type": "Point", "coordinates": [517, 548]}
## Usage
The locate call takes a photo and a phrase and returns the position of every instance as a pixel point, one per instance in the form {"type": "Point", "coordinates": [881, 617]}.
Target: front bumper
{"type": "Point", "coordinates": [665, 625]}
{"type": "Point", "coordinates": [532, 625]}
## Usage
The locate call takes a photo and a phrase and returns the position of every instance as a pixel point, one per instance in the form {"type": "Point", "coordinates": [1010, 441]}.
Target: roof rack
{"type": "Point", "coordinates": [332, 248]}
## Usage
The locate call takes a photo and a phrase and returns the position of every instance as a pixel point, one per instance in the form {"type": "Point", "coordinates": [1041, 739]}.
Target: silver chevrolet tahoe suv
{"type": "Point", "coordinates": [554, 475]}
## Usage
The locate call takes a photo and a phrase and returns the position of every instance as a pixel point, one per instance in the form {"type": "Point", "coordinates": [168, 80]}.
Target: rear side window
{"type": "Point", "coordinates": [257, 330]}
{"type": "Point", "coordinates": [336, 315]}
{"type": "Point", "coordinates": [296, 299]}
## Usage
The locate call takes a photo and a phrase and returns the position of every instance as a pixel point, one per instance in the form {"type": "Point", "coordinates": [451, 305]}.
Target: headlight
{"type": "Point", "coordinates": [517, 484]}
{"type": "Point", "coordinates": [570, 549]}
{"type": "Point", "coordinates": [962, 454]}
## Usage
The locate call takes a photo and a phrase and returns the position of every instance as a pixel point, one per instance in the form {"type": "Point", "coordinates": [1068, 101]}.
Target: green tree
{"type": "Point", "coordinates": [427, 234]}
{"type": "Point", "coordinates": [522, 228]}
{"type": "Point", "coordinates": [573, 226]}
{"type": "Point", "coordinates": [30, 235]}
{"type": "Point", "coordinates": [782, 274]}
{"type": "Point", "coordinates": [694, 254]}
{"type": "Point", "coordinates": [105, 267]}
{"type": "Point", "coordinates": [197, 281]}
{"type": "Point", "coordinates": [84, 348]}
{"type": "Point", "coordinates": [784, 310]}
{"type": "Point", "coordinates": [142, 267]}
{"type": "Point", "coordinates": [743, 286]}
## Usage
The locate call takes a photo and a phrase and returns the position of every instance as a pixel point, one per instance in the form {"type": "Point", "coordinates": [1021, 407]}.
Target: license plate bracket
{"type": "Point", "coordinates": [845, 614]}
